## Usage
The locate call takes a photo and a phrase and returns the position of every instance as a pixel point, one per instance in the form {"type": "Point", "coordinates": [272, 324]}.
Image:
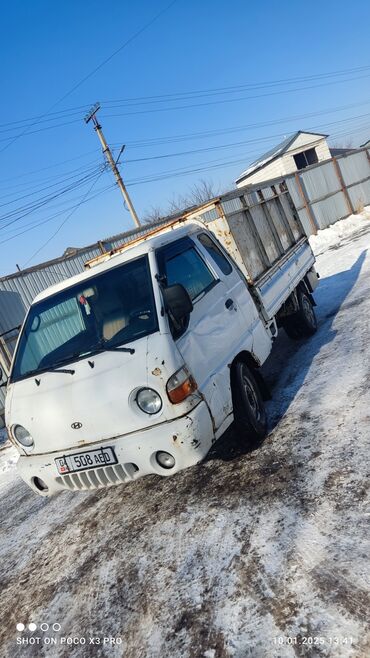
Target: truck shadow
{"type": "Point", "coordinates": [286, 368]}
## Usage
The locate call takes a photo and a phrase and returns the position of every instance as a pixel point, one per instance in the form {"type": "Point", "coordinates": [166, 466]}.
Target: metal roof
{"type": "Point", "coordinates": [274, 153]}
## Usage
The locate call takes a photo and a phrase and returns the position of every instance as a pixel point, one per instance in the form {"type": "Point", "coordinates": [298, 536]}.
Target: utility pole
{"type": "Point", "coordinates": [91, 116]}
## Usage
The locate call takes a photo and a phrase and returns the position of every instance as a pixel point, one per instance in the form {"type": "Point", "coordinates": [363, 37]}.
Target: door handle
{"type": "Point", "coordinates": [229, 303]}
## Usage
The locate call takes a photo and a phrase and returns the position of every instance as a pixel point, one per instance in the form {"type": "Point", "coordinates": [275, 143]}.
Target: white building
{"type": "Point", "coordinates": [294, 153]}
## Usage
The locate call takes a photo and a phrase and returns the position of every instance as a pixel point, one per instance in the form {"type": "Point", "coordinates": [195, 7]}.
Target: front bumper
{"type": "Point", "coordinates": [188, 439]}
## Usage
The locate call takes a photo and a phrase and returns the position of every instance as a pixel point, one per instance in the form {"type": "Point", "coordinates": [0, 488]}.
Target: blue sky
{"type": "Point", "coordinates": [189, 59]}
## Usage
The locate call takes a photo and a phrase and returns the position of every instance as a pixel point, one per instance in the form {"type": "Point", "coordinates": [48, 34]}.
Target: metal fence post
{"type": "Point", "coordinates": [343, 186]}
{"type": "Point", "coordinates": [306, 204]}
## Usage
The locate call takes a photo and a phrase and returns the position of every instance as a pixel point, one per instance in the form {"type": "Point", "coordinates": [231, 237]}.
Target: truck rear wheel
{"type": "Point", "coordinates": [303, 323]}
{"type": "Point", "coordinates": [249, 408]}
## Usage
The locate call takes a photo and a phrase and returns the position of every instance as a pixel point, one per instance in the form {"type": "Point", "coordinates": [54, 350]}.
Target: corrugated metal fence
{"type": "Point", "coordinates": [331, 190]}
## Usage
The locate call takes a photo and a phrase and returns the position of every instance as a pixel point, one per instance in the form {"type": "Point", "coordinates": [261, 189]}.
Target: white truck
{"type": "Point", "coordinates": [137, 365]}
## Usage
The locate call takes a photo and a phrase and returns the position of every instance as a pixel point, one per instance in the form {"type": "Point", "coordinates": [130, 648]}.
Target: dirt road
{"type": "Point", "coordinates": [262, 554]}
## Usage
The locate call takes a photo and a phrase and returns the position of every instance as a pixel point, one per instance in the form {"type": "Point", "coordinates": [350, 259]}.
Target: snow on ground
{"type": "Point", "coordinates": [336, 234]}
{"type": "Point", "coordinates": [248, 554]}
{"type": "Point", "coordinates": [8, 460]}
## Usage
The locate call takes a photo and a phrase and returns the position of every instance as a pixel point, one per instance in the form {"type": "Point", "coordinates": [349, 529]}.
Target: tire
{"type": "Point", "coordinates": [249, 408]}
{"type": "Point", "coordinates": [303, 323]}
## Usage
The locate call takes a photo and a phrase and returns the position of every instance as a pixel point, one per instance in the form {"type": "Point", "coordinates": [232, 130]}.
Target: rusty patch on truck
{"type": "Point", "coordinates": [157, 371]}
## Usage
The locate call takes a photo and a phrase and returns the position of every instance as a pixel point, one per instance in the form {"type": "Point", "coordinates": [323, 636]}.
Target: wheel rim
{"type": "Point", "coordinates": [252, 398]}
{"type": "Point", "coordinates": [308, 311]}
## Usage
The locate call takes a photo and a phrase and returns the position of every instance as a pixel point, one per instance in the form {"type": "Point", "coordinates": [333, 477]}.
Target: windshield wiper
{"type": "Point", "coordinates": [100, 347]}
{"type": "Point", "coordinates": [69, 371]}
{"type": "Point", "coordinates": [54, 368]}
{"type": "Point", "coordinates": [103, 345]}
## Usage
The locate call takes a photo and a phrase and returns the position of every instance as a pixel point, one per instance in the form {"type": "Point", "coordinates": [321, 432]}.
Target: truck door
{"type": "Point", "coordinates": [233, 279]}
{"type": "Point", "coordinates": [216, 329]}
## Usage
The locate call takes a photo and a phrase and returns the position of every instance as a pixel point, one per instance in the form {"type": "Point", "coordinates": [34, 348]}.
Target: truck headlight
{"type": "Point", "coordinates": [22, 436]}
{"type": "Point", "coordinates": [148, 401]}
{"type": "Point", "coordinates": [181, 385]}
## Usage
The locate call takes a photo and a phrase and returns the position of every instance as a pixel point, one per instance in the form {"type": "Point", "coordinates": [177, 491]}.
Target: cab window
{"type": "Point", "coordinates": [215, 252]}
{"type": "Point", "coordinates": [180, 262]}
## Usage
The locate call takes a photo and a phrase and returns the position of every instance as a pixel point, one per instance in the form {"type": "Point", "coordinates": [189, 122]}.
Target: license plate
{"type": "Point", "coordinates": [81, 461]}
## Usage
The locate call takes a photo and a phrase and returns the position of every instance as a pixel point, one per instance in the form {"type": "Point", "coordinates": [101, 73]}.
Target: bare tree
{"type": "Point", "coordinates": [346, 144]}
{"type": "Point", "coordinates": [152, 215]}
{"type": "Point", "coordinates": [202, 191]}
{"type": "Point", "coordinates": [198, 193]}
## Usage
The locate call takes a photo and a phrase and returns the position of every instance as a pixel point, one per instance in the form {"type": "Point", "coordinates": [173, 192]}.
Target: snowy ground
{"type": "Point", "coordinates": [239, 556]}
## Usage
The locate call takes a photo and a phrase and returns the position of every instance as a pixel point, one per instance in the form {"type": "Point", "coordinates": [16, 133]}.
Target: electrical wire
{"type": "Point", "coordinates": [30, 208]}
{"type": "Point", "coordinates": [65, 220]}
{"type": "Point", "coordinates": [46, 220]}
{"type": "Point", "coordinates": [76, 110]}
{"type": "Point", "coordinates": [42, 118]}
{"type": "Point", "coordinates": [51, 166]}
{"type": "Point", "coordinates": [89, 75]}
{"type": "Point", "coordinates": [236, 88]}
{"type": "Point", "coordinates": [210, 165]}
{"type": "Point", "coordinates": [231, 100]}
{"type": "Point", "coordinates": [36, 190]}
{"type": "Point", "coordinates": [223, 131]}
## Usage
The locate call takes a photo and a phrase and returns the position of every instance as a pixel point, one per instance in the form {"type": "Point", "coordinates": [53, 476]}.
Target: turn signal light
{"type": "Point", "coordinates": [180, 386]}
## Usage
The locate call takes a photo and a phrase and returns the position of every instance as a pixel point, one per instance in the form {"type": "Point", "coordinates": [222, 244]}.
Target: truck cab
{"type": "Point", "coordinates": [126, 369]}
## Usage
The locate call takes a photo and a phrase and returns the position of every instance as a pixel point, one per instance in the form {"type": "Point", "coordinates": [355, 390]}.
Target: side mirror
{"type": "Point", "coordinates": [177, 301]}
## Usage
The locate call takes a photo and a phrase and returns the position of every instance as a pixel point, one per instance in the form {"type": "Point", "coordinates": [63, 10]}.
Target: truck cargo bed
{"type": "Point", "coordinates": [266, 240]}
{"type": "Point", "coordinates": [275, 286]}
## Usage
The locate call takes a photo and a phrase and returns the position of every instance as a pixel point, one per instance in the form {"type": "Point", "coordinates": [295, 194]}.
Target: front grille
{"type": "Point", "coordinates": [97, 478]}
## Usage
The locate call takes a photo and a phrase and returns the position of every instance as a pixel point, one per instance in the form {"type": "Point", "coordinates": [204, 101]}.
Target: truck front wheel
{"type": "Point", "coordinates": [248, 405]}
{"type": "Point", "coordinates": [302, 323]}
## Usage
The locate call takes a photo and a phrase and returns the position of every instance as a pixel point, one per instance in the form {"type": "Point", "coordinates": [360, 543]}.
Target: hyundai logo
{"type": "Point", "coordinates": [76, 426]}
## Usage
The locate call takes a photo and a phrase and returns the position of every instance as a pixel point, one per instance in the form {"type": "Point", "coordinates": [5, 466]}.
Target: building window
{"type": "Point", "coordinates": [305, 158]}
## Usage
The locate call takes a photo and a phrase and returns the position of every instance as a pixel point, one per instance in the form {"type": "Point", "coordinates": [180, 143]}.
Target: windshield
{"type": "Point", "coordinates": [113, 308]}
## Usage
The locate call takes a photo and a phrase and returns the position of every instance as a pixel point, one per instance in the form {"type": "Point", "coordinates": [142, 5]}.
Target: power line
{"type": "Point", "coordinates": [186, 137]}
{"type": "Point", "coordinates": [233, 144]}
{"type": "Point", "coordinates": [43, 118]}
{"type": "Point", "coordinates": [234, 100]}
{"type": "Point", "coordinates": [222, 131]}
{"type": "Point", "coordinates": [92, 170]}
{"type": "Point", "coordinates": [213, 164]}
{"type": "Point", "coordinates": [167, 98]}
{"type": "Point", "coordinates": [39, 203]}
{"type": "Point", "coordinates": [66, 219]}
{"type": "Point", "coordinates": [89, 75]}
{"type": "Point", "coordinates": [35, 190]}
{"type": "Point", "coordinates": [235, 88]}
{"type": "Point", "coordinates": [163, 176]}
{"type": "Point", "coordinates": [33, 225]}
{"type": "Point", "coordinates": [51, 166]}
{"type": "Point", "coordinates": [30, 208]}
{"type": "Point", "coordinates": [76, 110]}
{"type": "Point", "coordinates": [168, 109]}
{"type": "Point", "coordinates": [38, 130]}
{"type": "Point", "coordinates": [64, 206]}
